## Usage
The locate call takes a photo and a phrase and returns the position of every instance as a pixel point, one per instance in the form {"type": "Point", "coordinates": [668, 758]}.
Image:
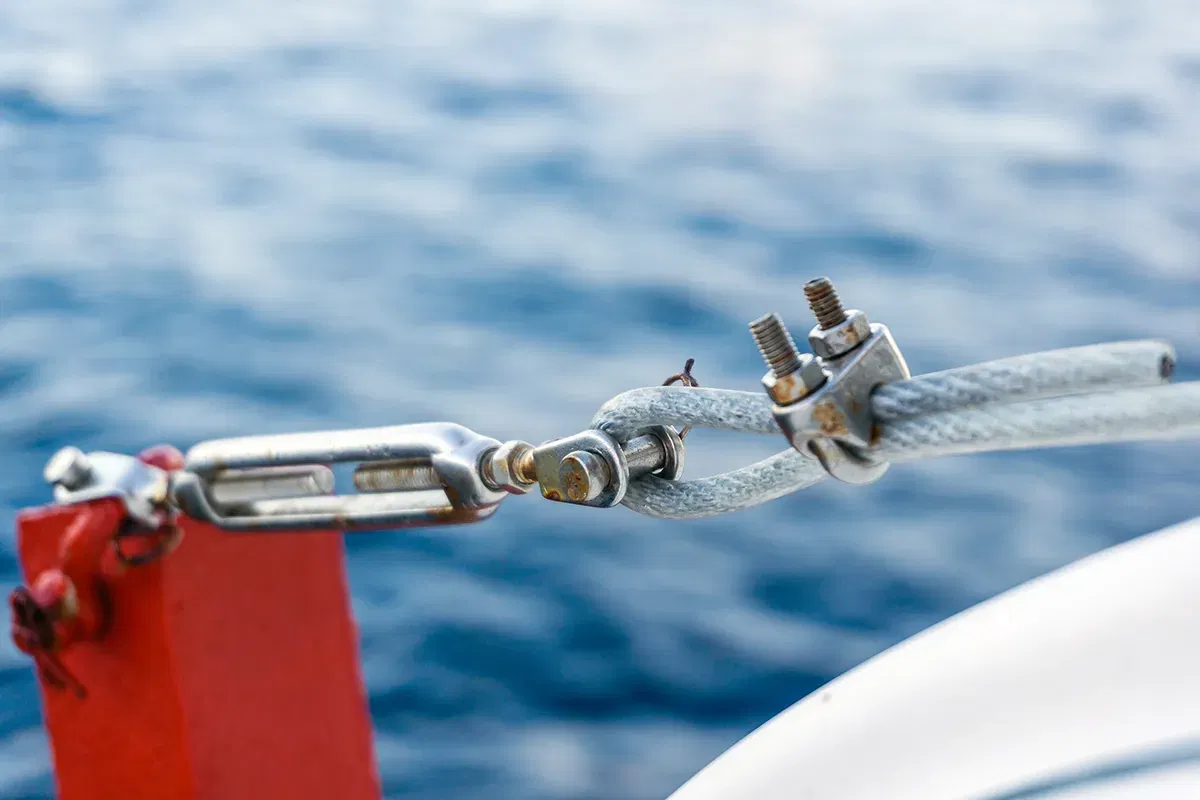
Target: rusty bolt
{"type": "Point", "coordinates": [796, 386]}
{"type": "Point", "coordinates": [583, 475]}
{"type": "Point", "coordinates": [776, 345]}
{"type": "Point", "coordinates": [824, 302]}
{"type": "Point", "coordinates": [839, 339]}
{"type": "Point", "coordinates": [838, 330]}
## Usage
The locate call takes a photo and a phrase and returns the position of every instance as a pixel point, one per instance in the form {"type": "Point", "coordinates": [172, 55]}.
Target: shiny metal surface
{"type": "Point", "coordinates": [398, 462]}
{"type": "Point", "coordinates": [234, 487]}
{"type": "Point", "coordinates": [508, 468]}
{"type": "Point", "coordinates": [142, 488]}
{"type": "Point", "coordinates": [68, 468]}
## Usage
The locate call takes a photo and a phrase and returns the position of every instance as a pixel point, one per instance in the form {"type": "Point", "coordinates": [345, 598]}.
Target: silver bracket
{"type": "Point", "coordinates": [78, 477]}
{"type": "Point", "coordinates": [408, 476]}
{"type": "Point", "coordinates": [833, 423]}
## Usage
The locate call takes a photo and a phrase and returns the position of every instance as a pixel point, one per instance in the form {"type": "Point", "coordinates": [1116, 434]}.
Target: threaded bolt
{"type": "Point", "coordinates": [776, 345]}
{"type": "Point", "coordinates": [526, 468]}
{"type": "Point", "coordinates": [396, 476]}
{"type": "Point", "coordinates": [824, 302]}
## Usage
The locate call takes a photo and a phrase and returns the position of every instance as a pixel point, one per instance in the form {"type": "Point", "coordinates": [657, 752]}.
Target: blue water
{"type": "Point", "coordinates": [217, 220]}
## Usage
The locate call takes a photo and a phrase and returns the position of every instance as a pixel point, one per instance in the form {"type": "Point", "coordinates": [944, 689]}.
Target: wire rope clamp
{"type": "Point", "coordinates": [822, 402]}
{"type": "Point", "coordinates": [407, 476]}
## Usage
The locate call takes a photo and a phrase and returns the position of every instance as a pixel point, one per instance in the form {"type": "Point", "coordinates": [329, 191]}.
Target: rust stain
{"type": "Point", "coordinates": [788, 389]}
{"type": "Point", "coordinates": [575, 486]}
{"type": "Point", "coordinates": [830, 418]}
{"type": "Point", "coordinates": [450, 515]}
{"type": "Point", "coordinates": [552, 494]}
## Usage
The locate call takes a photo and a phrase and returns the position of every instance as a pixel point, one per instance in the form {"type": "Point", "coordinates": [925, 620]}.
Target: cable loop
{"type": "Point", "coordinates": [1085, 395]}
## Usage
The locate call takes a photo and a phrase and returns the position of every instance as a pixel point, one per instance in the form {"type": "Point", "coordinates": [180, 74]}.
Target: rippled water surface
{"type": "Point", "coordinates": [221, 218]}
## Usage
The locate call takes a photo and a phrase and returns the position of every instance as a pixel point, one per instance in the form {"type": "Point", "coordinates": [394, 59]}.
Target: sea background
{"type": "Point", "coordinates": [222, 218]}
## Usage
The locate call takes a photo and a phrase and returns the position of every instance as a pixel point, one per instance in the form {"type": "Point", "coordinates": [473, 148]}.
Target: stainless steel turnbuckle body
{"type": "Point", "coordinates": [407, 476]}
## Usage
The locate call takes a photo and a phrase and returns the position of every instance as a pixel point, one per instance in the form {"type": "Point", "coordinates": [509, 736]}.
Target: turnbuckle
{"type": "Point", "coordinates": [408, 476]}
{"type": "Point", "coordinates": [822, 402]}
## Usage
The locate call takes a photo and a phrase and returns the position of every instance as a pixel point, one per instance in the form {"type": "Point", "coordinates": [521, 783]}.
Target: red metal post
{"type": "Point", "coordinates": [227, 670]}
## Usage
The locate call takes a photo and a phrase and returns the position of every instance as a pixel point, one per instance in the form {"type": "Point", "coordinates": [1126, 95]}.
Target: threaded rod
{"type": "Point", "coordinates": [824, 302]}
{"type": "Point", "coordinates": [396, 476]}
{"type": "Point", "coordinates": [776, 345]}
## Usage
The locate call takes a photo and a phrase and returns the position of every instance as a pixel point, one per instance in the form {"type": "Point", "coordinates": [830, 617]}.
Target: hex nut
{"type": "Point", "coordinates": [503, 467]}
{"type": "Point", "coordinates": [841, 338]}
{"type": "Point", "coordinates": [796, 386]}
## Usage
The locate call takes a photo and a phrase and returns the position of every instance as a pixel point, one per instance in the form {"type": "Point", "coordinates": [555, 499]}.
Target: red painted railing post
{"type": "Point", "coordinates": [226, 670]}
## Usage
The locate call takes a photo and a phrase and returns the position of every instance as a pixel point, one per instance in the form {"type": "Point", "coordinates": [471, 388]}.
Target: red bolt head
{"type": "Point", "coordinates": [53, 591]}
{"type": "Point", "coordinates": [162, 456]}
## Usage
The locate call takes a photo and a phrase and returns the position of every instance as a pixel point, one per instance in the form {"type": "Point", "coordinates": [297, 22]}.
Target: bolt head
{"type": "Point", "coordinates": [583, 476]}
{"type": "Point", "coordinates": [795, 387]}
{"type": "Point", "coordinates": [834, 342]}
{"type": "Point", "coordinates": [56, 594]}
{"type": "Point", "coordinates": [68, 468]}
{"type": "Point", "coordinates": [505, 472]}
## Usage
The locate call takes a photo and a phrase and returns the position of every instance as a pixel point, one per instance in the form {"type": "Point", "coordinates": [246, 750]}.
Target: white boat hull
{"type": "Point", "coordinates": [1084, 683]}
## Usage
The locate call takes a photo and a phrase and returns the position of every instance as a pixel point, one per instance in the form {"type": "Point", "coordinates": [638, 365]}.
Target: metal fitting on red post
{"type": "Point", "coordinates": [118, 498]}
{"type": "Point", "coordinates": [189, 696]}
